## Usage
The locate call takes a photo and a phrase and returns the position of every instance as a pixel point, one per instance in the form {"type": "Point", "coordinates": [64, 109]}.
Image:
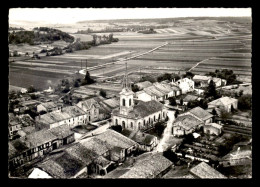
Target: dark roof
{"type": "Point", "coordinates": [16, 147]}
{"type": "Point", "coordinates": [139, 137]}
{"type": "Point", "coordinates": [143, 109]}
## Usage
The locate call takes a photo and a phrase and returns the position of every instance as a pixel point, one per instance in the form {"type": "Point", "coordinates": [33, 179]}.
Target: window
{"type": "Point", "coordinates": [132, 126]}
{"type": "Point", "coordinates": [123, 102]}
{"type": "Point", "coordinates": [154, 118]}
{"type": "Point", "coordinates": [144, 122]}
{"type": "Point", "coordinates": [116, 121]}
{"type": "Point", "coordinates": [129, 102]}
{"type": "Point", "coordinates": [139, 125]}
{"type": "Point", "coordinates": [123, 124]}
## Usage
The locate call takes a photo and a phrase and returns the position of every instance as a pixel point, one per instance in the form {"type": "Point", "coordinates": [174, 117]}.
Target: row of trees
{"type": "Point", "coordinates": [225, 74]}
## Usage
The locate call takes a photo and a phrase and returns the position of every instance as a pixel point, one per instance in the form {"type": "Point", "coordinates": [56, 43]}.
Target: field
{"type": "Point", "coordinates": [196, 45]}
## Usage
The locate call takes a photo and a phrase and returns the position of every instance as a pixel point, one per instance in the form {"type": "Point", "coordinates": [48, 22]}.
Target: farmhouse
{"type": "Point", "coordinates": [186, 85]}
{"type": "Point", "coordinates": [185, 124]}
{"type": "Point", "coordinates": [91, 108]}
{"type": "Point", "coordinates": [136, 116]}
{"type": "Point", "coordinates": [202, 80]}
{"type": "Point", "coordinates": [71, 115]}
{"type": "Point", "coordinates": [14, 125]}
{"type": "Point", "coordinates": [200, 114]}
{"type": "Point", "coordinates": [146, 141]}
{"type": "Point", "coordinates": [149, 165]}
{"type": "Point", "coordinates": [48, 107]}
{"type": "Point", "coordinates": [212, 128]}
{"type": "Point", "coordinates": [204, 171]}
{"type": "Point", "coordinates": [223, 103]}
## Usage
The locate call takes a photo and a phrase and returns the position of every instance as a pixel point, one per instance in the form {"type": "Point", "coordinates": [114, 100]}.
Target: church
{"type": "Point", "coordinates": [138, 116]}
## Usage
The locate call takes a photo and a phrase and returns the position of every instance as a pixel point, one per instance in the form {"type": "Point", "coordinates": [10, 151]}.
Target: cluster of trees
{"type": "Point", "coordinates": [135, 88]}
{"type": "Point", "coordinates": [53, 52]}
{"type": "Point", "coordinates": [203, 103]}
{"type": "Point", "coordinates": [211, 91]}
{"type": "Point", "coordinates": [42, 34]}
{"type": "Point", "coordinates": [225, 74]}
{"type": "Point", "coordinates": [159, 128]}
{"type": "Point", "coordinates": [97, 39]}
{"type": "Point", "coordinates": [245, 102]}
{"type": "Point", "coordinates": [87, 79]}
{"type": "Point", "coordinates": [148, 78]}
{"type": "Point", "coordinates": [102, 93]}
{"type": "Point", "coordinates": [168, 76]}
{"type": "Point", "coordinates": [107, 29]}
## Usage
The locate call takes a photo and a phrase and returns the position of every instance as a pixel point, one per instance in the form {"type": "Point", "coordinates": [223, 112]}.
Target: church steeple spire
{"type": "Point", "coordinates": [125, 79]}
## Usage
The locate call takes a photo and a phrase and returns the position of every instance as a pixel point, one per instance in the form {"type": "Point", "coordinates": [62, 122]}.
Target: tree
{"type": "Point", "coordinates": [245, 102]}
{"type": "Point", "coordinates": [31, 89]}
{"type": "Point", "coordinates": [159, 128]}
{"type": "Point", "coordinates": [102, 93]}
{"type": "Point", "coordinates": [189, 74]}
{"type": "Point", "coordinates": [33, 96]}
{"type": "Point", "coordinates": [214, 112]}
{"type": "Point", "coordinates": [211, 90]}
{"type": "Point", "coordinates": [88, 79]}
{"type": "Point", "coordinates": [117, 128]}
{"type": "Point", "coordinates": [172, 101]}
{"type": "Point", "coordinates": [224, 115]}
{"type": "Point", "coordinates": [135, 88]}
{"type": "Point", "coordinates": [76, 83]}
{"type": "Point", "coordinates": [203, 104]}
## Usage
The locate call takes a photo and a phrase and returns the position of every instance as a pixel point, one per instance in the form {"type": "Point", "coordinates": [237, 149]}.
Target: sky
{"type": "Point", "coordinates": [67, 15]}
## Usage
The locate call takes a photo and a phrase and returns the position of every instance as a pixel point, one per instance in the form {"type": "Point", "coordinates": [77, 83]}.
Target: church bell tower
{"type": "Point", "coordinates": [126, 96]}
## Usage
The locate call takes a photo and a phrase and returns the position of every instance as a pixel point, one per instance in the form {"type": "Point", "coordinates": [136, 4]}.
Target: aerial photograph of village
{"type": "Point", "coordinates": [120, 93]}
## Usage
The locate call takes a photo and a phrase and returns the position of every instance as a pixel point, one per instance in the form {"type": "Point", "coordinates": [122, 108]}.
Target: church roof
{"type": "Point", "coordinates": [143, 109]}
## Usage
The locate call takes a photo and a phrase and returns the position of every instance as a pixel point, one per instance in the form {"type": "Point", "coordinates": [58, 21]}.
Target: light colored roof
{"type": "Point", "coordinates": [215, 79]}
{"type": "Point", "coordinates": [39, 174]}
{"type": "Point", "coordinates": [217, 126]}
{"type": "Point", "coordinates": [148, 166]}
{"type": "Point", "coordinates": [144, 84]}
{"type": "Point", "coordinates": [60, 115]}
{"type": "Point", "coordinates": [204, 171]}
{"type": "Point", "coordinates": [30, 102]}
{"type": "Point", "coordinates": [112, 103]}
{"type": "Point", "coordinates": [186, 121]}
{"type": "Point", "coordinates": [201, 113]}
{"type": "Point", "coordinates": [155, 91]}
{"type": "Point", "coordinates": [223, 101]}
{"type": "Point", "coordinates": [88, 103]}
{"type": "Point", "coordinates": [201, 77]}
{"type": "Point", "coordinates": [115, 139]}
{"type": "Point", "coordinates": [163, 87]}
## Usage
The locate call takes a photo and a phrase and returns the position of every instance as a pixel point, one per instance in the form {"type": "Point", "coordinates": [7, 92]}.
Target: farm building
{"type": "Point", "coordinates": [136, 116]}
{"type": "Point", "coordinates": [149, 165]}
{"type": "Point", "coordinates": [166, 89]}
{"type": "Point", "coordinates": [153, 91]}
{"type": "Point", "coordinates": [91, 108]}
{"type": "Point", "coordinates": [185, 124]}
{"type": "Point", "coordinates": [48, 107]}
{"type": "Point", "coordinates": [142, 85]}
{"type": "Point", "coordinates": [212, 128]}
{"type": "Point", "coordinates": [14, 125]}
{"type": "Point", "coordinates": [146, 141]}
{"type": "Point", "coordinates": [186, 85]}
{"type": "Point", "coordinates": [71, 115]}
{"type": "Point", "coordinates": [223, 103]}
{"type": "Point", "coordinates": [204, 171]}
{"type": "Point", "coordinates": [200, 114]}
{"type": "Point", "coordinates": [37, 144]}
{"type": "Point", "coordinates": [202, 80]}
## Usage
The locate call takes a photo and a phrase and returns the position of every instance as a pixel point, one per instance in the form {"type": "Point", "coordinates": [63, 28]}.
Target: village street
{"type": "Point", "coordinates": [167, 137]}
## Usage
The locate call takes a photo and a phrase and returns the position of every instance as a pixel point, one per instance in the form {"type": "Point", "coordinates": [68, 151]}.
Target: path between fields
{"type": "Point", "coordinates": [198, 63]}
{"type": "Point", "coordinates": [83, 71]}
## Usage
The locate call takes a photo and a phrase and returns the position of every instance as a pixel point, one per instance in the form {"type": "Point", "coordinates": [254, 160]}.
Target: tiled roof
{"type": "Point", "coordinates": [148, 166]}
{"type": "Point", "coordinates": [204, 171]}
{"type": "Point", "coordinates": [112, 103]}
{"type": "Point", "coordinates": [61, 131]}
{"type": "Point", "coordinates": [88, 103]}
{"type": "Point", "coordinates": [96, 145]}
{"type": "Point", "coordinates": [164, 87]}
{"type": "Point", "coordinates": [49, 105]}
{"type": "Point", "coordinates": [186, 121]}
{"type": "Point", "coordinates": [201, 113]}
{"type": "Point", "coordinates": [15, 147]}
{"type": "Point", "coordinates": [144, 84]}
{"type": "Point", "coordinates": [115, 139]}
{"type": "Point", "coordinates": [223, 101]}
{"type": "Point", "coordinates": [154, 90]}
{"type": "Point", "coordinates": [64, 166]}
{"type": "Point", "coordinates": [189, 98]}
{"type": "Point", "coordinates": [30, 102]}
{"type": "Point", "coordinates": [139, 137]}
{"type": "Point", "coordinates": [56, 116]}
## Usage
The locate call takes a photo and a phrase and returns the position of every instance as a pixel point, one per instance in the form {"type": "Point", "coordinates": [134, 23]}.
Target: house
{"type": "Point", "coordinates": [26, 120]}
{"type": "Point", "coordinates": [217, 82]}
{"type": "Point", "coordinates": [155, 93]}
{"type": "Point", "coordinates": [146, 141]}
{"type": "Point", "coordinates": [148, 165]}
{"type": "Point", "coordinates": [91, 108]}
{"type": "Point", "coordinates": [176, 90]}
{"type": "Point", "coordinates": [107, 106]}
{"type": "Point", "coordinates": [14, 125]}
{"type": "Point", "coordinates": [37, 144]}
{"type": "Point", "coordinates": [223, 103]}
{"type": "Point", "coordinates": [201, 80]}
{"type": "Point", "coordinates": [204, 171]}
{"type": "Point", "coordinates": [48, 107]}
{"type": "Point", "coordinates": [186, 124]}
{"type": "Point", "coordinates": [212, 128]}
{"type": "Point", "coordinates": [27, 105]}
{"type": "Point", "coordinates": [145, 96]}
{"type": "Point", "coordinates": [200, 114]}
{"type": "Point", "coordinates": [26, 130]}
{"type": "Point", "coordinates": [189, 98]}
{"type": "Point", "coordinates": [186, 85]}
{"type": "Point", "coordinates": [166, 89]}
{"type": "Point", "coordinates": [71, 115]}
{"type": "Point", "coordinates": [199, 91]}
{"type": "Point", "coordinates": [142, 85]}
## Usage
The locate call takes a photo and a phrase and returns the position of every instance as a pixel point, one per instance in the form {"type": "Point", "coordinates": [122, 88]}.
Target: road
{"type": "Point", "coordinates": [162, 146]}
{"type": "Point", "coordinates": [83, 71]}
